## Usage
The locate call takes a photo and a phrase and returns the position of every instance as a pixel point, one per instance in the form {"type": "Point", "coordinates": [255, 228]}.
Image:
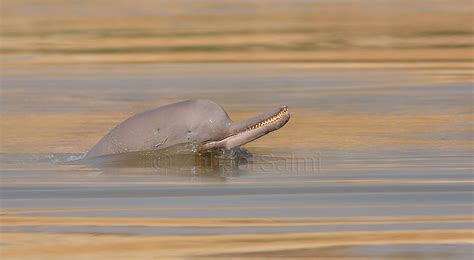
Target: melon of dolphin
{"type": "Point", "coordinates": [201, 122]}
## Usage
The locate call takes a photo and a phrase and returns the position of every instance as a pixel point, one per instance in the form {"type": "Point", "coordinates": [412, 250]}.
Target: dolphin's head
{"type": "Point", "coordinates": [217, 130]}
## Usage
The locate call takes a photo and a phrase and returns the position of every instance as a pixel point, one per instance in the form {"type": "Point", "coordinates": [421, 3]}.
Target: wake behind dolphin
{"type": "Point", "coordinates": [202, 123]}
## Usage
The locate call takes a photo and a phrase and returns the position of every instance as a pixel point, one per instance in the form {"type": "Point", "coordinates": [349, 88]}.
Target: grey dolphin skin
{"type": "Point", "coordinates": [201, 122]}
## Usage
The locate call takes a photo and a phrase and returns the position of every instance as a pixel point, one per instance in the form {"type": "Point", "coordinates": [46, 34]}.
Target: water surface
{"type": "Point", "coordinates": [380, 154]}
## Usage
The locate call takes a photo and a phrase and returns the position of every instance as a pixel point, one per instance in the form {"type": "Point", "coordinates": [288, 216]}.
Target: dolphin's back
{"type": "Point", "coordinates": [162, 127]}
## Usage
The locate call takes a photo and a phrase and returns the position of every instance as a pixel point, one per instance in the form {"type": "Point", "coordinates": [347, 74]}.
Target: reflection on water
{"type": "Point", "coordinates": [376, 161]}
{"type": "Point", "coordinates": [373, 156]}
{"type": "Point", "coordinates": [418, 251]}
{"type": "Point", "coordinates": [179, 159]}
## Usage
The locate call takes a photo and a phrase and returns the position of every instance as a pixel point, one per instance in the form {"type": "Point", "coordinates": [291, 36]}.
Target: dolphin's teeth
{"type": "Point", "coordinates": [270, 120]}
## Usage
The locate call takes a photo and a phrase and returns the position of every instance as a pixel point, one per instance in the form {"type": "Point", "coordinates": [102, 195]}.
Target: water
{"type": "Point", "coordinates": [381, 152]}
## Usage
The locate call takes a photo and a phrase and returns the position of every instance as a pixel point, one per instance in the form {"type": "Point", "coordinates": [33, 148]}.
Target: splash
{"type": "Point", "coordinates": [40, 158]}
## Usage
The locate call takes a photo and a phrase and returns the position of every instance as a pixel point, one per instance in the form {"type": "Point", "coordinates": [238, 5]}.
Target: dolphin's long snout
{"type": "Point", "coordinates": [248, 130]}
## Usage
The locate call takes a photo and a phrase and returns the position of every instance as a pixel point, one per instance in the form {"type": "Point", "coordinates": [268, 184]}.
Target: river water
{"type": "Point", "coordinates": [366, 150]}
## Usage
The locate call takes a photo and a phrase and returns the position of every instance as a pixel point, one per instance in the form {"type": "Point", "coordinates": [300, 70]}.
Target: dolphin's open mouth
{"type": "Point", "coordinates": [251, 129]}
{"type": "Point", "coordinates": [281, 113]}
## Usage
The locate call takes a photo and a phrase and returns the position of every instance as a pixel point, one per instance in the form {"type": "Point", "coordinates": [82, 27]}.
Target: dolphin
{"type": "Point", "coordinates": [201, 122]}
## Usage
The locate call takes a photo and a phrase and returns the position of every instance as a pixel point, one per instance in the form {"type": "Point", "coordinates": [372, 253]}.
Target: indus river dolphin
{"type": "Point", "coordinates": [201, 122]}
